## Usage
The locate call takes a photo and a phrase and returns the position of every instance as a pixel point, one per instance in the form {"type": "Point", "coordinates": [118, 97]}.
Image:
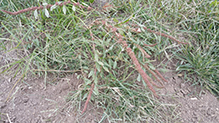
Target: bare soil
{"type": "Point", "coordinates": [195, 105]}
{"type": "Point", "coordinates": [32, 102]}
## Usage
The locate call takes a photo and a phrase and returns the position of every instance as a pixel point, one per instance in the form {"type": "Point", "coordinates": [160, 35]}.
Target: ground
{"type": "Point", "coordinates": [32, 102]}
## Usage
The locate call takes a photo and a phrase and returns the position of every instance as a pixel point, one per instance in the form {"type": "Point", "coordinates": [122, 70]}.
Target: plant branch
{"type": "Point", "coordinates": [137, 64]}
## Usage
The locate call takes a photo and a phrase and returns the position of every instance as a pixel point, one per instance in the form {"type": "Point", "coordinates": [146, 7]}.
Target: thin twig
{"type": "Point", "coordinates": [146, 66]}
{"type": "Point", "coordinates": [147, 45]}
{"type": "Point", "coordinates": [9, 120]}
{"type": "Point", "coordinates": [137, 65]}
{"type": "Point", "coordinates": [63, 71]}
{"type": "Point", "coordinates": [91, 89]}
{"type": "Point", "coordinates": [88, 98]}
{"type": "Point", "coordinates": [143, 51]}
{"type": "Point", "coordinates": [158, 73]}
{"type": "Point", "coordinates": [8, 98]}
{"type": "Point", "coordinates": [164, 35]}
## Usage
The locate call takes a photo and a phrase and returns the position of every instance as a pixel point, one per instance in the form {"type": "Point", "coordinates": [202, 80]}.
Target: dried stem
{"type": "Point", "coordinates": [92, 86]}
{"type": "Point", "coordinates": [158, 73]}
{"type": "Point", "coordinates": [147, 45]}
{"type": "Point", "coordinates": [143, 51]}
{"type": "Point", "coordinates": [148, 69]}
{"type": "Point", "coordinates": [137, 65]}
{"type": "Point", "coordinates": [88, 98]}
{"type": "Point", "coordinates": [164, 35]}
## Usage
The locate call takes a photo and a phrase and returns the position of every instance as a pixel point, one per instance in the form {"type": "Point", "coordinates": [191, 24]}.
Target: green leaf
{"type": "Point", "coordinates": [87, 81]}
{"type": "Point", "coordinates": [35, 14]}
{"type": "Point", "coordinates": [115, 65]}
{"type": "Point", "coordinates": [96, 57]}
{"type": "Point", "coordinates": [115, 20]}
{"type": "Point", "coordinates": [73, 8]}
{"type": "Point", "coordinates": [96, 92]}
{"type": "Point", "coordinates": [84, 4]}
{"type": "Point", "coordinates": [139, 78]}
{"type": "Point", "coordinates": [100, 63]}
{"type": "Point", "coordinates": [45, 4]}
{"type": "Point", "coordinates": [106, 69]}
{"type": "Point", "coordinates": [64, 9]}
{"type": "Point", "coordinates": [91, 73]}
{"type": "Point", "coordinates": [46, 13]}
{"type": "Point", "coordinates": [91, 1]}
{"type": "Point", "coordinates": [152, 67]}
{"type": "Point", "coordinates": [53, 7]}
{"type": "Point", "coordinates": [98, 67]}
{"type": "Point", "coordinates": [85, 96]}
{"type": "Point", "coordinates": [121, 32]}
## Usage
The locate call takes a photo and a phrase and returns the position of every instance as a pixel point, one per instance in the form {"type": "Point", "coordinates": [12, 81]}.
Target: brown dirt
{"type": "Point", "coordinates": [33, 103]}
{"type": "Point", "coordinates": [195, 104]}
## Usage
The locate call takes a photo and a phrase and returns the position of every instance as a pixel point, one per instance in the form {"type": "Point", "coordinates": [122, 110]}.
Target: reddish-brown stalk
{"type": "Point", "coordinates": [147, 45]}
{"type": "Point", "coordinates": [158, 73]}
{"type": "Point", "coordinates": [137, 65]}
{"type": "Point", "coordinates": [148, 69]}
{"type": "Point", "coordinates": [92, 86]}
{"type": "Point", "coordinates": [164, 35]}
{"type": "Point", "coordinates": [153, 83]}
{"type": "Point", "coordinates": [88, 98]}
{"type": "Point", "coordinates": [143, 51]}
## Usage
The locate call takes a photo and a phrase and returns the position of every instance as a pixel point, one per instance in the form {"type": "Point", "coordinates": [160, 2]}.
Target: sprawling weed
{"type": "Point", "coordinates": [71, 38]}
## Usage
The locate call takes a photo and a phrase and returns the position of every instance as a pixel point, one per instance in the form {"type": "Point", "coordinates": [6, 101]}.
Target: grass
{"type": "Point", "coordinates": [65, 43]}
{"type": "Point", "coordinates": [201, 58]}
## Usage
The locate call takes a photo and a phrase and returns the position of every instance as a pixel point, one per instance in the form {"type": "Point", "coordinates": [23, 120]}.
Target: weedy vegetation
{"type": "Point", "coordinates": [113, 49]}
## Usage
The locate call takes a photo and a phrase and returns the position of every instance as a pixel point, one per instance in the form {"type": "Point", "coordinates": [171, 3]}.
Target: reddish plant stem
{"type": "Point", "coordinates": [88, 98]}
{"type": "Point", "coordinates": [137, 65]}
{"type": "Point", "coordinates": [92, 86]}
{"type": "Point", "coordinates": [41, 7]}
{"type": "Point", "coordinates": [146, 66]}
{"type": "Point", "coordinates": [147, 45]}
{"type": "Point", "coordinates": [157, 33]}
{"type": "Point", "coordinates": [164, 35]}
{"type": "Point", "coordinates": [142, 50]}
{"type": "Point", "coordinates": [158, 73]}
{"type": "Point", "coordinates": [153, 83]}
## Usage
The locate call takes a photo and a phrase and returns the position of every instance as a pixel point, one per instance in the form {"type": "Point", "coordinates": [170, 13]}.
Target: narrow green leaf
{"type": "Point", "coordinates": [53, 7]}
{"type": "Point", "coordinates": [87, 81]}
{"type": "Point", "coordinates": [139, 78]}
{"type": "Point", "coordinates": [115, 65]}
{"type": "Point", "coordinates": [152, 67]}
{"type": "Point", "coordinates": [98, 67]}
{"type": "Point", "coordinates": [35, 14]}
{"type": "Point", "coordinates": [46, 13]}
{"type": "Point", "coordinates": [45, 4]}
{"type": "Point", "coordinates": [106, 69]}
{"type": "Point", "coordinates": [100, 63]}
{"type": "Point", "coordinates": [73, 8]}
{"type": "Point", "coordinates": [91, 73]}
{"type": "Point", "coordinates": [115, 20]}
{"type": "Point", "coordinates": [64, 9]}
{"type": "Point", "coordinates": [96, 57]}
{"type": "Point", "coordinates": [91, 1]}
{"type": "Point", "coordinates": [84, 4]}
{"type": "Point", "coordinates": [96, 92]}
